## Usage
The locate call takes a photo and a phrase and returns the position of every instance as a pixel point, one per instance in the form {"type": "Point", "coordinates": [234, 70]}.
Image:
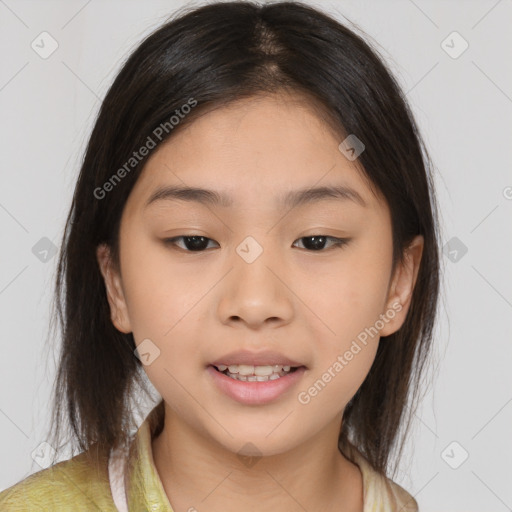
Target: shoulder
{"type": "Point", "coordinates": [398, 496]}
{"type": "Point", "coordinates": [381, 494]}
{"type": "Point", "coordinates": [386, 495]}
{"type": "Point", "coordinates": [79, 484]}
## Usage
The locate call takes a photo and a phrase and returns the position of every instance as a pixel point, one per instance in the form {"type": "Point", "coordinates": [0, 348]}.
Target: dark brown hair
{"type": "Point", "coordinates": [216, 54]}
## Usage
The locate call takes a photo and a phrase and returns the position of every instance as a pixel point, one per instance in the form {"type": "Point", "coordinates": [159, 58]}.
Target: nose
{"type": "Point", "coordinates": [256, 293]}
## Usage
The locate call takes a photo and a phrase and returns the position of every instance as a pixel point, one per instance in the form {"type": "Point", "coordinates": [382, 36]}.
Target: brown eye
{"type": "Point", "coordinates": [318, 242]}
{"type": "Point", "coordinates": [192, 243]}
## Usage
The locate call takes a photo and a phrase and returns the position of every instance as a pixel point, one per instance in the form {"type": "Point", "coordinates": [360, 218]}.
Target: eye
{"type": "Point", "coordinates": [317, 242]}
{"type": "Point", "coordinates": [193, 243]}
{"type": "Point", "coordinates": [197, 243]}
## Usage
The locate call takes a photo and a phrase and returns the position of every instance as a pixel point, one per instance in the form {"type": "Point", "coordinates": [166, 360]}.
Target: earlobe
{"type": "Point", "coordinates": [402, 286]}
{"type": "Point", "coordinates": [115, 295]}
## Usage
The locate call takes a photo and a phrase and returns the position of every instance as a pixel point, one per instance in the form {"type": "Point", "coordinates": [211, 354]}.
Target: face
{"type": "Point", "coordinates": [310, 281]}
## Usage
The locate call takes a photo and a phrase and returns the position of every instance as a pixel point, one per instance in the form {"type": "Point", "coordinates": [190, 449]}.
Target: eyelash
{"type": "Point", "coordinates": [339, 242]}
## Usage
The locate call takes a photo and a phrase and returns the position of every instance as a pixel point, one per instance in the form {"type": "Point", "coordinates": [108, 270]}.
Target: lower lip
{"type": "Point", "coordinates": [255, 393]}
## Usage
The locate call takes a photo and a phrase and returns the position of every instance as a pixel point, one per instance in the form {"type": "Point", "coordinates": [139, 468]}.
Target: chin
{"type": "Point", "coordinates": [257, 445]}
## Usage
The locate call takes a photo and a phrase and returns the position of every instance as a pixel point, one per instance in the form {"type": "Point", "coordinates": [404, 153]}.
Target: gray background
{"type": "Point", "coordinates": [463, 106]}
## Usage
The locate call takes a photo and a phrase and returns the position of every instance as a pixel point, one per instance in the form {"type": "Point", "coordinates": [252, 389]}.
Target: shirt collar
{"type": "Point", "coordinates": [378, 490]}
{"type": "Point", "coordinates": [144, 489]}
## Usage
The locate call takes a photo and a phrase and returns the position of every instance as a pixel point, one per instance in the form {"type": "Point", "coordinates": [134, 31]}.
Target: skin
{"type": "Point", "coordinates": [308, 305]}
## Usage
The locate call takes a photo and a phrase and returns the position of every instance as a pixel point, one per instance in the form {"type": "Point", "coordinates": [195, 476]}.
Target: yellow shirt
{"type": "Point", "coordinates": [82, 483]}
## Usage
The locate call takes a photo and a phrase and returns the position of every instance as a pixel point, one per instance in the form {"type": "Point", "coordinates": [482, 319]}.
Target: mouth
{"type": "Point", "coordinates": [245, 385]}
{"type": "Point", "coordinates": [251, 373]}
{"type": "Point", "coordinates": [256, 378]}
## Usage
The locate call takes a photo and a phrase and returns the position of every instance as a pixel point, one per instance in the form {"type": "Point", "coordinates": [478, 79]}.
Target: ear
{"type": "Point", "coordinates": [115, 294]}
{"type": "Point", "coordinates": [402, 286]}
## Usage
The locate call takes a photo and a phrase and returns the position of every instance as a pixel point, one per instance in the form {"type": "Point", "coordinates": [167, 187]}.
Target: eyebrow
{"type": "Point", "coordinates": [290, 199]}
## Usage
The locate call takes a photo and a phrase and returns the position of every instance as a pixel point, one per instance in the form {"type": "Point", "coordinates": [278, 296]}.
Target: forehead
{"type": "Point", "coordinates": [255, 151]}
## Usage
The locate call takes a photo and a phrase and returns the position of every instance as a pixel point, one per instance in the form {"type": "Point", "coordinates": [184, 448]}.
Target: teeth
{"type": "Point", "coordinates": [250, 373]}
{"type": "Point", "coordinates": [245, 369]}
{"type": "Point", "coordinates": [263, 371]}
{"type": "Point", "coordinates": [256, 378]}
{"type": "Point", "coordinates": [260, 371]}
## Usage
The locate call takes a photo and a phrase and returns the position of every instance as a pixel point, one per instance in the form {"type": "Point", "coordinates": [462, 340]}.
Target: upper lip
{"type": "Point", "coordinates": [247, 357]}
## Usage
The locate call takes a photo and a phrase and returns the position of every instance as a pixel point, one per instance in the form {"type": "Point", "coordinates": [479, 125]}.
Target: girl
{"type": "Point", "coordinates": [253, 230]}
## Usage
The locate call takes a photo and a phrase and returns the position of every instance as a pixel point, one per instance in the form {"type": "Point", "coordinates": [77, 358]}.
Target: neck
{"type": "Point", "coordinates": [199, 473]}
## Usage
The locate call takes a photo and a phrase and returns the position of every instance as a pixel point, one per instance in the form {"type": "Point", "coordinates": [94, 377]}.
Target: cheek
{"type": "Point", "coordinates": [343, 358]}
{"type": "Point", "coordinates": [332, 386]}
{"type": "Point", "coordinates": [353, 299]}
{"type": "Point", "coordinates": [158, 296]}
{"type": "Point", "coordinates": [353, 294]}
{"type": "Point", "coordinates": [163, 302]}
